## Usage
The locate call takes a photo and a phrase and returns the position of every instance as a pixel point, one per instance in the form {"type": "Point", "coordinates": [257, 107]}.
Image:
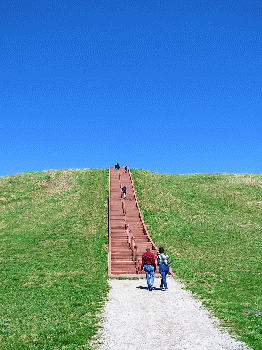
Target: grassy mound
{"type": "Point", "coordinates": [211, 226]}
{"type": "Point", "coordinates": [53, 258]}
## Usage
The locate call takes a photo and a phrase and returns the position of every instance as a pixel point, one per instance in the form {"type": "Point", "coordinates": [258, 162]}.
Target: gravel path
{"type": "Point", "coordinates": [136, 319]}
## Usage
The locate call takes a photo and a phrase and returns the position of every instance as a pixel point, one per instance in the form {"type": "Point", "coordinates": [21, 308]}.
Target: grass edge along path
{"type": "Point", "coordinates": [53, 258]}
{"type": "Point", "coordinates": [211, 227]}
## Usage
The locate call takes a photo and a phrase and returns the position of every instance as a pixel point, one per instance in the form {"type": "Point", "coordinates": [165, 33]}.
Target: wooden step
{"type": "Point", "coordinates": [119, 226]}
{"type": "Point", "coordinates": [119, 240]}
{"type": "Point", "coordinates": [123, 270]}
{"type": "Point", "coordinates": [122, 253]}
{"type": "Point", "coordinates": [125, 257]}
{"type": "Point", "coordinates": [119, 244]}
{"type": "Point", "coordinates": [122, 266]}
{"type": "Point", "coordinates": [116, 250]}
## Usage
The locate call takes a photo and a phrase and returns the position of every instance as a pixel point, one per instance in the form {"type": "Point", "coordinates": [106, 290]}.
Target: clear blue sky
{"type": "Point", "coordinates": [172, 86]}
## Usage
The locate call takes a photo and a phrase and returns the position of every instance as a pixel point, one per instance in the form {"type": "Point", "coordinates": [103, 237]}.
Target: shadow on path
{"type": "Point", "coordinates": [142, 287]}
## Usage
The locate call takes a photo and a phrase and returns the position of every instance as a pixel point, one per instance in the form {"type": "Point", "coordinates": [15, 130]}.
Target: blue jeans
{"type": "Point", "coordinates": [149, 270]}
{"type": "Point", "coordinates": [163, 270]}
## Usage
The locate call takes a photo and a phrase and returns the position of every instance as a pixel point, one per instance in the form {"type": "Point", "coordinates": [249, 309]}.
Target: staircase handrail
{"type": "Point", "coordinates": [136, 256]}
{"type": "Point", "coordinates": [140, 215]}
{"type": "Point", "coordinates": [134, 249]}
{"type": "Point", "coordinates": [124, 207]}
{"type": "Point", "coordinates": [132, 245]}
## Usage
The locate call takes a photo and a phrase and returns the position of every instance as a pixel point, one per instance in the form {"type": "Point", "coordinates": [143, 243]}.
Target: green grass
{"type": "Point", "coordinates": [53, 258]}
{"type": "Point", "coordinates": [53, 250]}
{"type": "Point", "coordinates": [211, 226]}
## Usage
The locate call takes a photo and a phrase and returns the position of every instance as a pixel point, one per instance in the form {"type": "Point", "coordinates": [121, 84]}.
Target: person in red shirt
{"type": "Point", "coordinates": [149, 266]}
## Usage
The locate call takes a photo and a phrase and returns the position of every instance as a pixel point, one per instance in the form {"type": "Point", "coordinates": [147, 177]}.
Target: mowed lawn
{"type": "Point", "coordinates": [53, 258]}
{"type": "Point", "coordinates": [211, 226]}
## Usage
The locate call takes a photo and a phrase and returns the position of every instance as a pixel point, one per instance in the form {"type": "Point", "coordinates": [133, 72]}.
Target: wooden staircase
{"type": "Point", "coordinates": [128, 236]}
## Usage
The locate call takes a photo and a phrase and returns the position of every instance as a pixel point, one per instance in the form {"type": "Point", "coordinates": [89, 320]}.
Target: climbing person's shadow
{"type": "Point", "coordinates": [142, 287]}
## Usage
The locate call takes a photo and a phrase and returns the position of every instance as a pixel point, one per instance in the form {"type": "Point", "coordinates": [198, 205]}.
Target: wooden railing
{"type": "Point", "coordinates": [132, 242]}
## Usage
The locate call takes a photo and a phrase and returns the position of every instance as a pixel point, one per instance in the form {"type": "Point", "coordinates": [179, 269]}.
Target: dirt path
{"type": "Point", "coordinates": [136, 319]}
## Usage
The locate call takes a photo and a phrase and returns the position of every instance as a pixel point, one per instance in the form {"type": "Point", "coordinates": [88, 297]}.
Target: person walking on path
{"type": "Point", "coordinates": [163, 263]}
{"type": "Point", "coordinates": [149, 266]}
{"type": "Point", "coordinates": [117, 166]}
{"type": "Point", "coordinates": [124, 192]}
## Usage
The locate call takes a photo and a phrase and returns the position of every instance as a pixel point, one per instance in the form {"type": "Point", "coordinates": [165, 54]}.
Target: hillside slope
{"type": "Point", "coordinates": [53, 258]}
{"type": "Point", "coordinates": [211, 226]}
{"type": "Point", "coordinates": [53, 250]}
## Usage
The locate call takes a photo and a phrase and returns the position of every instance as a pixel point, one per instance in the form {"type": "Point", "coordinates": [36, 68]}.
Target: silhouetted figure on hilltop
{"type": "Point", "coordinates": [117, 167]}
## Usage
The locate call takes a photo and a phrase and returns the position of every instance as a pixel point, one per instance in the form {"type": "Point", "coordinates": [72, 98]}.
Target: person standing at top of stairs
{"type": "Point", "coordinates": [149, 266]}
{"type": "Point", "coordinates": [117, 167]}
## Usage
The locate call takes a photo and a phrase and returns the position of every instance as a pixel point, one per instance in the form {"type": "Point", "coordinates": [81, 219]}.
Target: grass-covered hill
{"type": "Point", "coordinates": [53, 258]}
{"type": "Point", "coordinates": [211, 226]}
{"type": "Point", "coordinates": [53, 250]}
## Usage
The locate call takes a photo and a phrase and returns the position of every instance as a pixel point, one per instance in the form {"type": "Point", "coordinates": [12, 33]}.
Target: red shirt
{"type": "Point", "coordinates": [148, 259]}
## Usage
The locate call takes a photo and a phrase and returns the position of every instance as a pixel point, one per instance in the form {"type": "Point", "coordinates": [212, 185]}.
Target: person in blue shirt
{"type": "Point", "coordinates": [163, 263]}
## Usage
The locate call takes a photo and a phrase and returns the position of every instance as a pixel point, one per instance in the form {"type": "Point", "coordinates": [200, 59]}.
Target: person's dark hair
{"type": "Point", "coordinates": [161, 250]}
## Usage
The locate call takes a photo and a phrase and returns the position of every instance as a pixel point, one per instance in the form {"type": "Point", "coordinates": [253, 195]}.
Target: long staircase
{"type": "Point", "coordinates": [128, 236]}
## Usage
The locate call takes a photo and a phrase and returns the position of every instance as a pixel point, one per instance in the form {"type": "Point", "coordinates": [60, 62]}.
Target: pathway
{"type": "Point", "coordinates": [136, 319]}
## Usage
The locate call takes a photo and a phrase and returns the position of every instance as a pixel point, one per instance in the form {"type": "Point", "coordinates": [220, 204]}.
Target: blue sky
{"type": "Point", "coordinates": [166, 86]}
